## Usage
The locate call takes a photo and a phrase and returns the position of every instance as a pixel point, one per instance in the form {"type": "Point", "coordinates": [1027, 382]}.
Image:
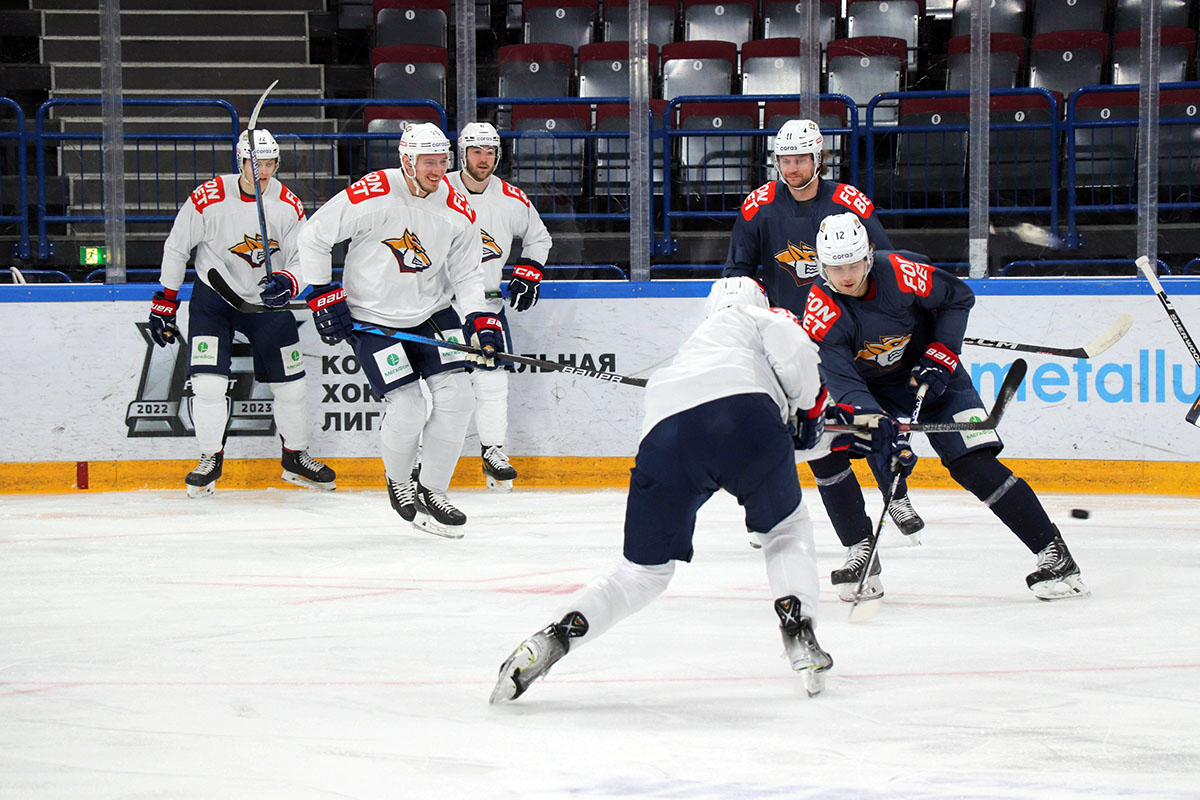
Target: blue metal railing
{"type": "Point", "coordinates": [155, 205]}
{"type": "Point", "coordinates": [21, 204]}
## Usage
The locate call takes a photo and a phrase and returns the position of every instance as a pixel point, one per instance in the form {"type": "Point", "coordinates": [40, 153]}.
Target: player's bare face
{"type": "Point", "coordinates": [796, 170]}
{"type": "Point", "coordinates": [428, 170]}
{"type": "Point", "coordinates": [480, 163]}
{"type": "Point", "coordinates": [266, 168]}
{"type": "Point", "coordinates": [849, 279]}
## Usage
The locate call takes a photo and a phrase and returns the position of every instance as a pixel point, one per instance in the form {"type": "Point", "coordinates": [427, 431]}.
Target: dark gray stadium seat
{"type": "Point", "coordinates": [569, 22]}
{"type": "Point", "coordinates": [612, 154]}
{"type": "Point", "coordinates": [1105, 164]}
{"type": "Point", "coordinates": [771, 66]}
{"type": "Point", "coordinates": [411, 22]}
{"type": "Point", "coordinates": [544, 165]}
{"type": "Point", "coordinates": [1051, 16]}
{"type": "Point", "coordinates": [1179, 145]}
{"type": "Point", "coordinates": [718, 21]}
{"type": "Point", "coordinates": [534, 70]}
{"type": "Point", "coordinates": [712, 162]}
{"type": "Point", "coordinates": [1065, 60]}
{"type": "Point", "coordinates": [1008, 16]}
{"type": "Point", "coordinates": [1021, 169]}
{"type": "Point", "coordinates": [1175, 52]}
{"type": "Point", "coordinates": [664, 15]}
{"type": "Point", "coordinates": [898, 19]}
{"type": "Point", "coordinates": [930, 166]}
{"type": "Point", "coordinates": [410, 71]}
{"type": "Point", "coordinates": [604, 69]}
{"type": "Point", "coordinates": [698, 68]}
{"type": "Point", "coordinates": [1173, 14]}
{"type": "Point", "coordinates": [1007, 58]}
{"type": "Point", "coordinates": [863, 67]}
{"type": "Point", "coordinates": [782, 19]}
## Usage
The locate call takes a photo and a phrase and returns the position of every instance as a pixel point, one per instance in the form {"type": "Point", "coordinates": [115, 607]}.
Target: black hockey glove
{"type": "Point", "coordinates": [278, 289]}
{"type": "Point", "coordinates": [330, 313]}
{"type": "Point", "coordinates": [935, 368]}
{"type": "Point", "coordinates": [524, 286]}
{"type": "Point", "coordinates": [163, 329]}
{"type": "Point", "coordinates": [485, 332]}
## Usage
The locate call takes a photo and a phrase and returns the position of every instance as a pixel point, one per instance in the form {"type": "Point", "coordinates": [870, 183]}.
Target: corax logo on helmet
{"type": "Point", "coordinates": [265, 145]}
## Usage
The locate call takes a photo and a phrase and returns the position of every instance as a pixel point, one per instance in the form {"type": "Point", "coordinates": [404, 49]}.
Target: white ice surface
{"type": "Point", "coordinates": [288, 644]}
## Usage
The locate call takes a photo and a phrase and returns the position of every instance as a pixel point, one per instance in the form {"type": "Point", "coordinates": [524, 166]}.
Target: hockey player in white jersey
{"type": "Point", "coordinates": [717, 417]}
{"type": "Point", "coordinates": [504, 213]}
{"type": "Point", "coordinates": [220, 222]}
{"type": "Point", "coordinates": [414, 245]}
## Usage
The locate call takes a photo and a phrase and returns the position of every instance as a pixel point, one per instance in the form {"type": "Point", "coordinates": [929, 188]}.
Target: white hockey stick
{"type": "Point", "coordinates": [1090, 350]}
{"type": "Point", "coordinates": [1143, 263]}
{"type": "Point", "coordinates": [251, 127]}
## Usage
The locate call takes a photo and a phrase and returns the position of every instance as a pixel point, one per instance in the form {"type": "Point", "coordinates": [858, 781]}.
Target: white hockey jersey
{"type": "Point", "coordinates": [504, 213]}
{"type": "Point", "coordinates": [738, 350]}
{"type": "Point", "coordinates": [221, 223]}
{"type": "Point", "coordinates": [408, 255]}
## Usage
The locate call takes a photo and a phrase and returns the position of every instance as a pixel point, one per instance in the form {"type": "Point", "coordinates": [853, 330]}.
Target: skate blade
{"type": "Point", "coordinates": [814, 681]}
{"type": "Point", "coordinates": [872, 590]}
{"type": "Point", "coordinates": [195, 492]}
{"type": "Point", "coordinates": [497, 485]}
{"type": "Point", "coordinates": [426, 523]}
{"type": "Point", "coordinates": [506, 688]}
{"type": "Point", "coordinates": [1065, 589]}
{"type": "Point", "coordinates": [305, 483]}
{"type": "Point", "coordinates": [865, 610]}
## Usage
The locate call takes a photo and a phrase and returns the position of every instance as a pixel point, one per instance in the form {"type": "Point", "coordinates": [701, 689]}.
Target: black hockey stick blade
{"type": "Point", "coordinates": [1143, 263]}
{"type": "Point", "coordinates": [252, 141]}
{"type": "Point", "coordinates": [1008, 388]}
{"type": "Point", "coordinates": [610, 377]}
{"type": "Point", "coordinates": [1094, 348]}
{"type": "Point", "coordinates": [221, 287]}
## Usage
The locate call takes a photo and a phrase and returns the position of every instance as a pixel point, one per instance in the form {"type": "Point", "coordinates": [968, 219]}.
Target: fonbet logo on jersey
{"type": "Point", "coordinates": [409, 252]}
{"type": "Point", "coordinates": [250, 249]}
{"type": "Point", "coordinates": [164, 395]}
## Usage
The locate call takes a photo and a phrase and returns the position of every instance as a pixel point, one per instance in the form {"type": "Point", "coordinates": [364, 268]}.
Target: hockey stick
{"type": "Point", "coordinates": [863, 610]}
{"type": "Point", "coordinates": [240, 304]}
{"type": "Point", "coordinates": [251, 128]}
{"type": "Point", "coordinates": [1008, 388]}
{"type": "Point", "coordinates": [1091, 350]}
{"type": "Point", "coordinates": [1143, 263]}
{"type": "Point", "coordinates": [541, 363]}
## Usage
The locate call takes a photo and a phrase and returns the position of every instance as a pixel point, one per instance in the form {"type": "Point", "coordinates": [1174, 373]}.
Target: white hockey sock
{"type": "Point", "coordinates": [792, 561]}
{"type": "Point", "coordinates": [623, 589]}
{"type": "Point", "coordinates": [210, 410]}
{"type": "Point", "coordinates": [491, 405]}
{"type": "Point", "coordinates": [400, 430]}
{"type": "Point", "coordinates": [291, 412]}
{"type": "Point", "coordinates": [446, 428]}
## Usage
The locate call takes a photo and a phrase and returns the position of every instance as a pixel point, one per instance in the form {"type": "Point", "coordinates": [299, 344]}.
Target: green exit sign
{"type": "Point", "coordinates": [93, 256]}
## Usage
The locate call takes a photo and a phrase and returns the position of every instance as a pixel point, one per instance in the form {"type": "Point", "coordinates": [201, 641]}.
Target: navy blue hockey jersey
{"type": "Point", "coordinates": [774, 237]}
{"type": "Point", "coordinates": [877, 338]}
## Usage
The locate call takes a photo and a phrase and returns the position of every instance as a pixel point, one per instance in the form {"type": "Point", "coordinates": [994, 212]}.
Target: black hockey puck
{"type": "Point", "coordinates": [1080, 513]}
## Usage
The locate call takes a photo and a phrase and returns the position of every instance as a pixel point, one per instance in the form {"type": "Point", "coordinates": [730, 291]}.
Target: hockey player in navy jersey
{"type": "Point", "coordinates": [505, 213]}
{"type": "Point", "coordinates": [220, 222]}
{"type": "Point", "coordinates": [773, 242]}
{"type": "Point", "coordinates": [887, 324]}
{"type": "Point", "coordinates": [716, 418]}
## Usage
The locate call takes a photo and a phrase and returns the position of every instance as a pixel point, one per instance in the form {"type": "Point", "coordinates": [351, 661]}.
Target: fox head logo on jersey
{"type": "Point", "coordinates": [409, 252]}
{"type": "Point", "coordinates": [491, 250]}
{"type": "Point", "coordinates": [799, 261]}
{"type": "Point", "coordinates": [249, 249]}
{"type": "Point", "coordinates": [887, 351]}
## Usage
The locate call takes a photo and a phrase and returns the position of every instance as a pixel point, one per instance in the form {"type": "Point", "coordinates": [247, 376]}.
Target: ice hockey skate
{"type": "Point", "coordinates": [846, 579]}
{"type": "Point", "coordinates": [906, 518]}
{"type": "Point", "coordinates": [303, 470]}
{"type": "Point", "coordinates": [534, 657]}
{"type": "Point", "coordinates": [1057, 574]}
{"type": "Point", "coordinates": [496, 469]}
{"type": "Point", "coordinates": [800, 645]}
{"type": "Point", "coordinates": [437, 515]}
{"type": "Point", "coordinates": [403, 497]}
{"type": "Point", "coordinates": [202, 481]}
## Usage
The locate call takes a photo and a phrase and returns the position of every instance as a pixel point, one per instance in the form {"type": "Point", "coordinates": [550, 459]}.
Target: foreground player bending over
{"type": "Point", "coordinates": [220, 221]}
{"type": "Point", "coordinates": [716, 418]}
{"type": "Point", "coordinates": [886, 325]}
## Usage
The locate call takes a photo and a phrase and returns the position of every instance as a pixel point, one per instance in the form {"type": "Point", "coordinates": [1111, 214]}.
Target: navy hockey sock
{"type": "Point", "coordinates": [842, 497]}
{"type": "Point", "coordinates": [1010, 498]}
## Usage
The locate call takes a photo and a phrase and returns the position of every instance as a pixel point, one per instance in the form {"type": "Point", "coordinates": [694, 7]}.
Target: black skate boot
{"type": "Point", "coordinates": [303, 470]}
{"type": "Point", "coordinates": [846, 579]}
{"type": "Point", "coordinates": [437, 515]}
{"type": "Point", "coordinates": [906, 518]}
{"type": "Point", "coordinates": [404, 498]}
{"type": "Point", "coordinates": [496, 469]}
{"type": "Point", "coordinates": [1057, 574]}
{"type": "Point", "coordinates": [534, 657]}
{"type": "Point", "coordinates": [805, 655]}
{"type": "Point", "coordinates": [202, 481]}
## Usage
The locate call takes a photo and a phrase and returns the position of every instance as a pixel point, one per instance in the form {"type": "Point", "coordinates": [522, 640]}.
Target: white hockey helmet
{"type": "Point", "coordinates": [739, 291]}
{"type": "Point", "coordinates": [478, 134]}
{"type": "Point", "coordinates": [423, 138]}
{"type": "Point", "coordinates": [798, 137]}
{"type": "Point", "coordinates": [842, 239]}
{"type": "Point", "coordinates": [265, 145]}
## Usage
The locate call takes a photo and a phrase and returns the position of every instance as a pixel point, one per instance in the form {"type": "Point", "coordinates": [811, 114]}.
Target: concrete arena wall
{"type": "Point", "coordinates": [93, 405]}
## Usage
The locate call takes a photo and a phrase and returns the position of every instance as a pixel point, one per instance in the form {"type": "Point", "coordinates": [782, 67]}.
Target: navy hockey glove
{"type": "Point", "coordinates": [330, 313]}
{"type": "Point", "coordinates": [934, 369]}
{"type": "Point", "coordinates": [484, 331]}
{"type": "Point", "coordinates": [163, 329]}
{"type": "Point", "coordinates": [278, 289]}
{"type": "Point", "coordinates": [891, 446]}
{"type": "Point", "coordinates": [523, 288]}
{"type": "Point", "coordinates": [807, 426]}
{"type": "Point", "coordinates": [882, 439]}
